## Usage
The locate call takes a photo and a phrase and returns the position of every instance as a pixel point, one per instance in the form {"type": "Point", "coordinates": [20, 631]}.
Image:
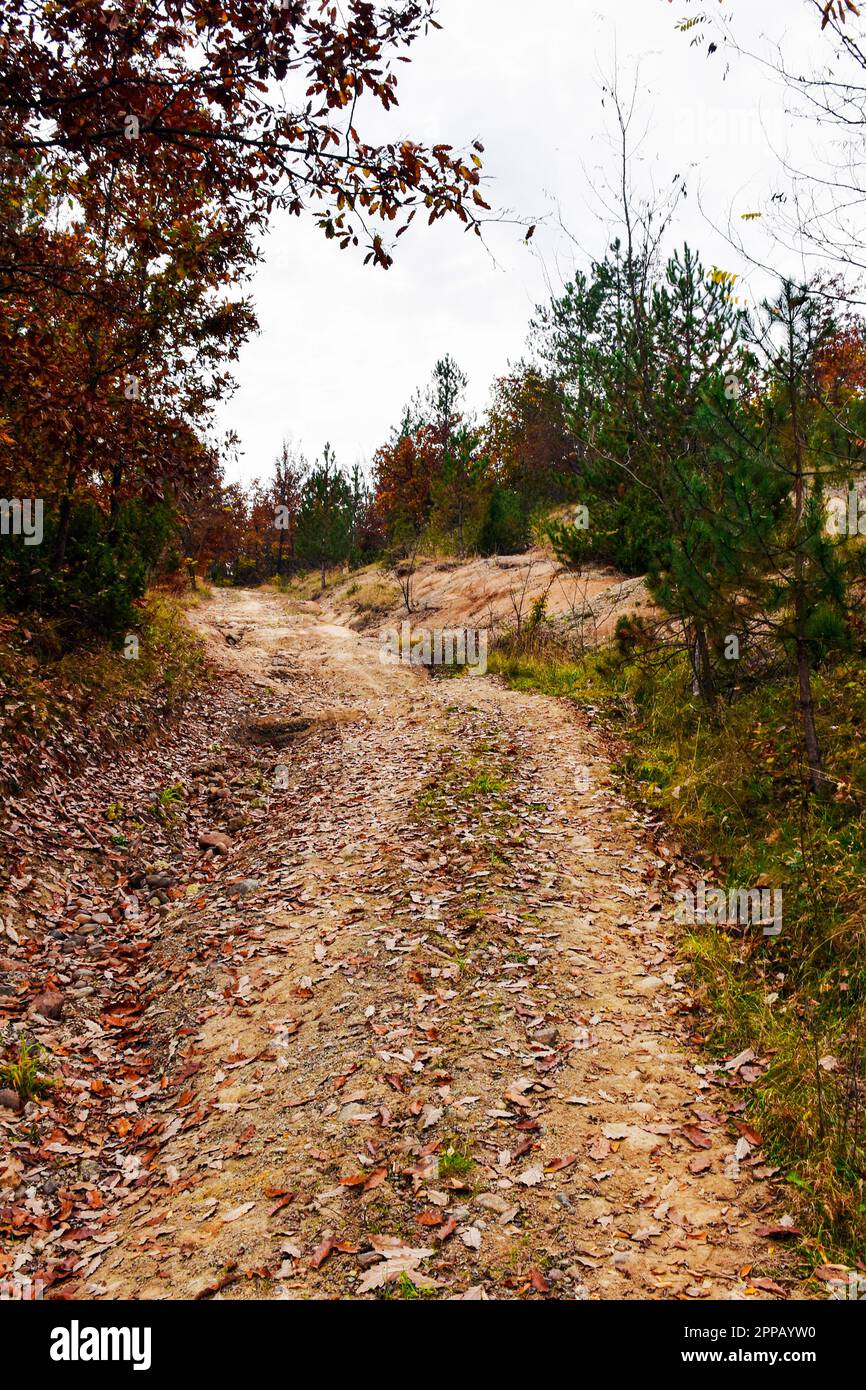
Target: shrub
{"type": "Point", "coordinates": [505, 529]}
{"type": "Point", "coordinates": [104, 573]}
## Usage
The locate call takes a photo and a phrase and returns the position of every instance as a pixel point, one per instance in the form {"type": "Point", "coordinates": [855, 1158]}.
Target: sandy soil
{"type": "Point", "coordinates": [493, 593]}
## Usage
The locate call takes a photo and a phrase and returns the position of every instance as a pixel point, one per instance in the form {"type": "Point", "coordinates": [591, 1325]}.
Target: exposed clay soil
{"type": "Point", "coordinates": [492, 593]}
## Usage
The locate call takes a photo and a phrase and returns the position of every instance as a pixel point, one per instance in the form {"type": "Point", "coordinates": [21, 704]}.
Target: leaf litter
{"type": "Point", "coordinates": [410, 986]}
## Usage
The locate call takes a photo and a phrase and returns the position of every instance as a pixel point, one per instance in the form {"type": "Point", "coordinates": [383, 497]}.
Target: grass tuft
{"type": "Point", "coordinates": [25, 1073]}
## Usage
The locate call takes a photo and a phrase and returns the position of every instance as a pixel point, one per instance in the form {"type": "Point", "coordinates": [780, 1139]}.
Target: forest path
{"type": "Point", "coordinates": [421, 1027]}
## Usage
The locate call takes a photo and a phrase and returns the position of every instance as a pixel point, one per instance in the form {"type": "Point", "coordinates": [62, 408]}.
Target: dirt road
{"type": "Point", "coordinates": [421, 1029]}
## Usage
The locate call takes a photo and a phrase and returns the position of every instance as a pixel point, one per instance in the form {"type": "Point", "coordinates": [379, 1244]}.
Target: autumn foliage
{"type": "Point", "coordinates": [141, 155]}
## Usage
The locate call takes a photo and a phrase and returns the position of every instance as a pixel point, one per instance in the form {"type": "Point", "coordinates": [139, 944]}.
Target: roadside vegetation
{"type": "Point", "coordinates": [731, 790]}
{"type": "Point", "coordinates": [55, 704]}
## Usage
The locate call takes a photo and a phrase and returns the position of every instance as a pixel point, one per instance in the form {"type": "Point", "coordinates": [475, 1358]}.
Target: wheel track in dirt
{"type": "Point", "coordinates": [452, 976]}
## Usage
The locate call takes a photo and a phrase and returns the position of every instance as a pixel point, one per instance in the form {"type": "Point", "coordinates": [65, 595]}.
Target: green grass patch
{"type": "Point", "coordinates": [25, 1072]}
{"type": "Point", "coordinates": [455, 1161]}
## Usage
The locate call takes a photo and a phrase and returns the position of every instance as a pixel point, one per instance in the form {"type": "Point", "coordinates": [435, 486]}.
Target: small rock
{"type": "Point", "coordinates": [648, 984]}
{"type": "Point", "coordinates": [49, 1004]}
{"type": "Point", "coordinates": [247, 885]}
{"type": "Point", "coordinates": [215, 840]}
{"type": "Point", "coordinates": [159, 880]}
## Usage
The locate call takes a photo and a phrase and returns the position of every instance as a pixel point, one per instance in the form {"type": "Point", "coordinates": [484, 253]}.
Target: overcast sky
{"type": "Point", "coordinates": [343, 346]}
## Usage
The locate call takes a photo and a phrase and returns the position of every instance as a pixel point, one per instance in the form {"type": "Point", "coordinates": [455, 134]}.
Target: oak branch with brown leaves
{"type": "Point", "coordinates": [143, 149]}
{"type": "Point", "coordinates": [264, 100]}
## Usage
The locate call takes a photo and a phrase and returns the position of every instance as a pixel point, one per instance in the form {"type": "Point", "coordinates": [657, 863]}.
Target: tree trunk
{"type": "Point", "coordinates": [114, 501]}
{"type": "Point", "coordinates": [706, 683]}
{"type": "Point", "coordinates": [807, 715]}
{"type": "Point", "coordinates": [65, 509]}
{"type": "Point", "coordinates": [804, 674]}
{"type": "Point", "coordinates": [64, 517]}
{"type": "Point", "coordinates": [703, 684]}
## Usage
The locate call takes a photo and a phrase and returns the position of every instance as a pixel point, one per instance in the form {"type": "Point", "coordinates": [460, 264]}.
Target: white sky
{"type": "Point", "coordinates": [343, 346]}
